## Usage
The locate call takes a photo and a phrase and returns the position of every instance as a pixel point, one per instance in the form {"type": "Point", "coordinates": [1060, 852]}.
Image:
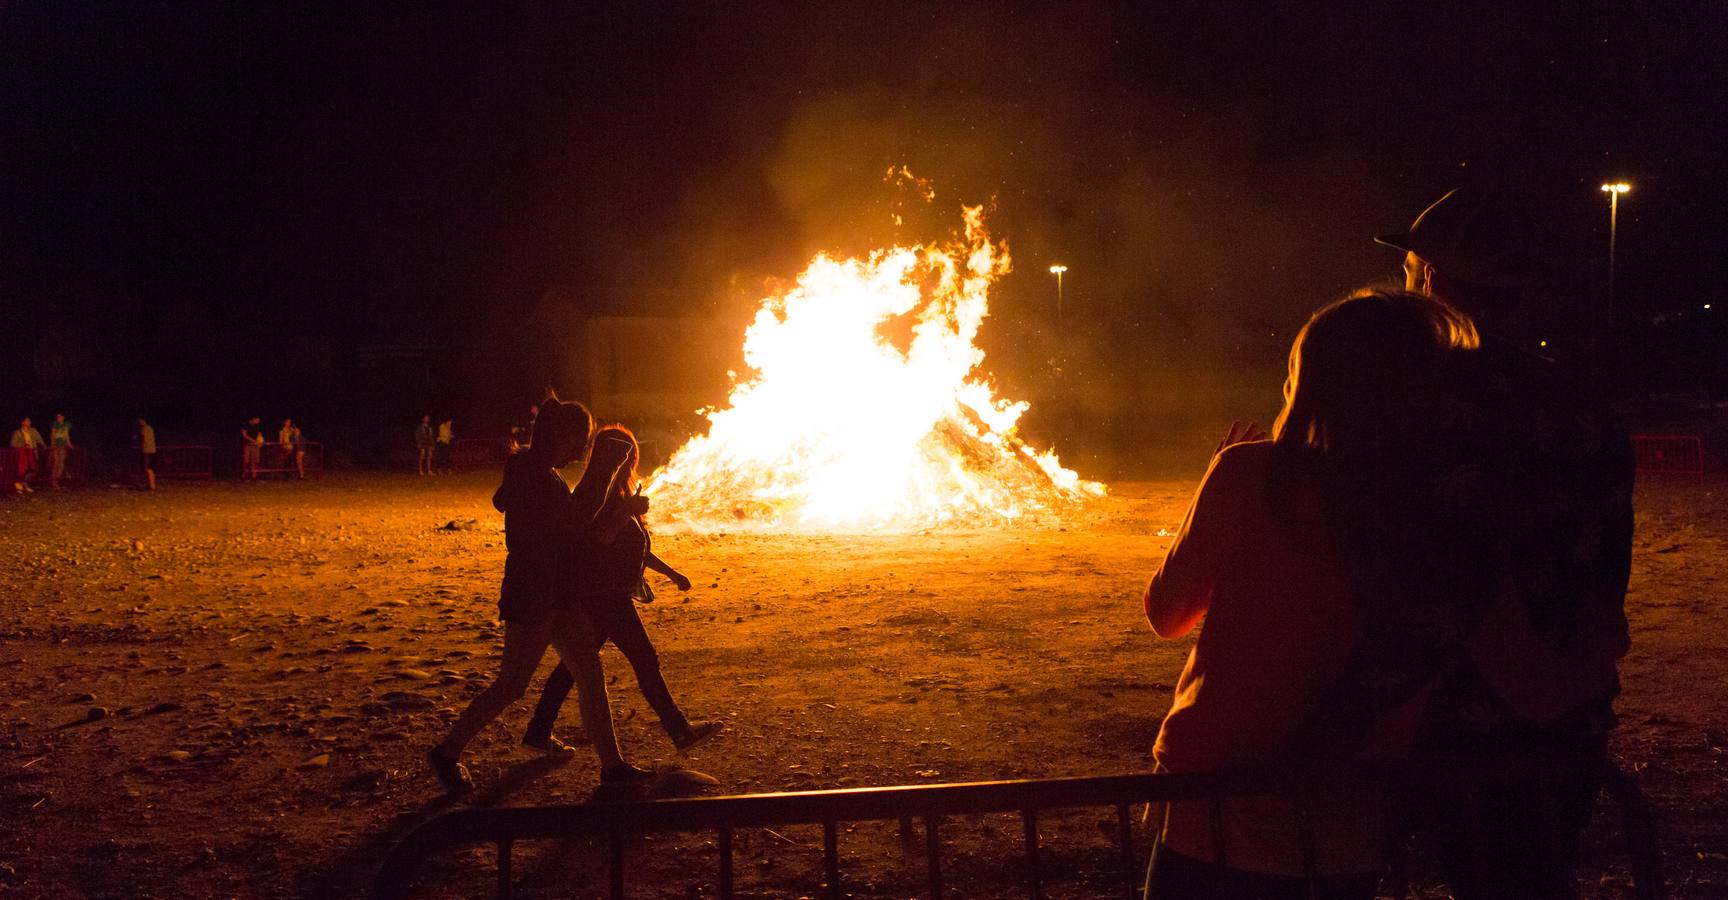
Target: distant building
{"type": "Point", "coordinates": [659, 368]}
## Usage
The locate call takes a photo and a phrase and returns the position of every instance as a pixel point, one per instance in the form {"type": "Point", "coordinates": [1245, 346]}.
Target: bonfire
{"type": "Point", "coordinates": [865, 408]}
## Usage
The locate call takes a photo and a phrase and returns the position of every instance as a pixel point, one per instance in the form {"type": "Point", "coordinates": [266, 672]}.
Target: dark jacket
{"type": "Point", "coordinates": [540, 533]}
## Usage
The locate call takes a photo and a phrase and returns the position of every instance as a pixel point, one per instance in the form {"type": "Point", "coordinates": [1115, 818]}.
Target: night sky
{"type": "Point", "coordinates": [360, 213]}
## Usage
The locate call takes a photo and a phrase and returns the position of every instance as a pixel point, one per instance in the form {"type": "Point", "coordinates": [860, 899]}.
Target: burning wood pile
{"type": "Point", "coordinates": [865, 409]}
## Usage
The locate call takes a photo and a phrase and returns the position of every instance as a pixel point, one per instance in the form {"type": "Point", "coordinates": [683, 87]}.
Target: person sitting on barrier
{"type": "Point", "coordinates": [544, 524]}
{"type": "Point", "coordinates": [619, 550]}
{"type": "Point", "coordinates": [59, 446]}
{"type": "Point", "coordinates": [251, 448]}
{"type": "Point", "coordinates": [1293, 549]}
{"type": "Point", "coordinates": [147, 449]}
{"type": "Point", "coordinates": [1533, 694]}
{"type": "Point", "coordinates": [293, 447]}
{"type": "Point", "coordinates": [26, 443]}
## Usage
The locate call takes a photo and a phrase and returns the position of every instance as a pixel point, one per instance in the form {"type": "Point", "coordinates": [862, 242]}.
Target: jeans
{"type": "Point", "coordinates": [617, 621]}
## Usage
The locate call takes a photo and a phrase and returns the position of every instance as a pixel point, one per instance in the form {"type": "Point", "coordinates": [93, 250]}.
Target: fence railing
{"type": "Point", "coordinates": [504, 827]}
{"type": "Point", "coordinates": [1669, 454]}
{"type": "Point", "coordinates": [184, 461]}
{"type": "Point", "coordinates": [276, 458]}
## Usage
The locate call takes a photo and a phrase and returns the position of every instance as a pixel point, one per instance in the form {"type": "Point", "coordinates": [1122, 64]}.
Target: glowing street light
{"type": "Point", "coordinates": [1613, 190]}
{"type": "Point", "coordinates": [1057, 271]}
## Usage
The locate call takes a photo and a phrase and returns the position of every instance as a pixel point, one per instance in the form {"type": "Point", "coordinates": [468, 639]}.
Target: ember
{"type": "Point", "coordinates": [866, 409]}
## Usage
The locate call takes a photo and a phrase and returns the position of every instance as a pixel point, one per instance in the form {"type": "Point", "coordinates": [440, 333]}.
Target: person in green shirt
{"type": "Point", "coordinates": [59, 444]}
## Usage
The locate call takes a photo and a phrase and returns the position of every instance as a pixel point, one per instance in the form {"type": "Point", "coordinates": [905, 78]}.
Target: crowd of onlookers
{"type": "Point", "coordinates": [264, 451]}
{"type": "Point", "coordinates": [30, 452]}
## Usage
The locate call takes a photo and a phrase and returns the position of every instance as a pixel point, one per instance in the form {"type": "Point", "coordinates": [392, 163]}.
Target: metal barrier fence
{"type": "Point", "coordinates": [1669, 454]}
{"type": "Point", "coordinates": [77, 465]}
{"type": "Point", "coordinates": [479, 453]}
{"type": "Point", "coordinates": [276, 458]}
{"type": "Point", "coordinates": [184, 461]}
{"type": "Point", "coordinates": [503, 827]}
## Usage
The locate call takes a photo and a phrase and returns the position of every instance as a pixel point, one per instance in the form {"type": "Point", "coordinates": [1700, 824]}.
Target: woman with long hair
{"type": "Point", "coordinates": [611, 584]}
{"type": "Point", "coordinates": [1339, 530]}
{"type": "Point", "coordinates": [544, 524]}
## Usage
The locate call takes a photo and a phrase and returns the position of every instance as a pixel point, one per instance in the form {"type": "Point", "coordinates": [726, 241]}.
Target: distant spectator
{"type": "Point", "coordinates": [424, 440]}
{"type": "Point", "coordinates": [522, 435]}
{"type": "Point", "coordinates": [27, 441]}
{"type": "Point", "coordinates": [293, 447]}
{"type": "Point", "coordinates": [251, 448]}
{"type": "Point", "coordinates": [147, 447]}
{"type": "Point", "coordinates": [59, 444]}
{"type": "Point", "coordinates": [446, 436]}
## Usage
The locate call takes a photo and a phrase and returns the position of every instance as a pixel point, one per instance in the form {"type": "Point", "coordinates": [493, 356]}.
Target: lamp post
{"type": "Point", "coordinates": [1613, 191]}
{"type": "Point", "coordinates": [1057, 271]}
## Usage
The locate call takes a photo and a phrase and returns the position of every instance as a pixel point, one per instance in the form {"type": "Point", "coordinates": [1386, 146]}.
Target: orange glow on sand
{"type": "Point", "coordinates": [865, 409]}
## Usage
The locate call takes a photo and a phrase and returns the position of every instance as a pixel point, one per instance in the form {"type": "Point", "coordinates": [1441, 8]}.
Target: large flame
{"type": "Point", "coordinates": [864, 412]}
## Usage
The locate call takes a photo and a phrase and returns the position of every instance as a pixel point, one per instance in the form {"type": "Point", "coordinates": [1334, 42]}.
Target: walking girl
{"type": "Point", "coordinates": [543, 525]}
{"type": "Point", "coordinates": [619, 549]}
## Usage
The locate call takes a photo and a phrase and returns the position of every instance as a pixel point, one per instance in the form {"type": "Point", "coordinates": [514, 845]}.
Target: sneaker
{"type": "Point", "coordinates": [548, 744]}
{"type": "Point", "coordinates": [624, 773]}
{"type": "Point", "coordinates": [696, 734]}
{"type": "Point", "coordinates": [451, 773]}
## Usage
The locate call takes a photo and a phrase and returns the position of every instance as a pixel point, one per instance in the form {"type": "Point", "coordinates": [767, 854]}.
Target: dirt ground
{"type": "Point", "coordinates": [225, 689]}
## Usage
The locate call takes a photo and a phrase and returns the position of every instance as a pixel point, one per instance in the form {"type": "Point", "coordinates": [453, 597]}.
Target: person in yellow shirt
{"type": "Point", "coordinates": [147, 447]}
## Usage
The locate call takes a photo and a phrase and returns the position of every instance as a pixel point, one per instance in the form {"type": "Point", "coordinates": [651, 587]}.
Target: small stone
{"type": "Point", "coordinates": [321, 761]}
{"type": "Point", "coordinates": [95, 712]}
{"type": "Point", "coordinates": [178, 756]}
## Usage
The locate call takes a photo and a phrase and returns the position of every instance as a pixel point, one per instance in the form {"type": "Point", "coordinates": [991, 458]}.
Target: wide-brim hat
{"type": "Point", "coordinates": [1476, 236]}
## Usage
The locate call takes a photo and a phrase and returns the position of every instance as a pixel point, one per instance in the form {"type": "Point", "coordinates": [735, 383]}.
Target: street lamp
{"type": "Point", "coordinates": [1057, 271]}
{"type": "Point", "coordinates": [1613, 191]}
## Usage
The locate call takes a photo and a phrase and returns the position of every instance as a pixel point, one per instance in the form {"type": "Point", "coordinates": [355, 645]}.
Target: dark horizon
{"type": "Point", "coordinates": [361, 217]}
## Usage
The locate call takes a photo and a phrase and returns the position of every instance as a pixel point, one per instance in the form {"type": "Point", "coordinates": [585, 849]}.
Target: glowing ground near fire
{"type": "Point", "coordinates": [865, 408]}
{"type": "Point", "coordinates": [271, 660]}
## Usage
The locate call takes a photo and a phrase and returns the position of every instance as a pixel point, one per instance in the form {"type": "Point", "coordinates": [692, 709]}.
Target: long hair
{"type": "Point", "coordinates": [618, 442]}
{"type": "Point", "coordinates": [1380, 407]}
{"type": "Point", "coordinates": [1365, 370]}
{"type": "Point", "coordinates": [611, 468]}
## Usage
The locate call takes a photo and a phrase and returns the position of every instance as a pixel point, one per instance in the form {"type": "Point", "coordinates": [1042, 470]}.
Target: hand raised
{"type": "Point", "coordinates": [1240, 433]}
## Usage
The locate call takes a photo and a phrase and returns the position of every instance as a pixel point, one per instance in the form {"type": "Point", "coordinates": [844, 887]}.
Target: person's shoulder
{"type": "Point", "coordinates": [1239, 466]}
{"type": "Point", "coordinates": [1248, 456]}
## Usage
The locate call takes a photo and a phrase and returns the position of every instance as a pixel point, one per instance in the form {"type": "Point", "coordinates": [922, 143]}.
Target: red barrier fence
{"type": "Point", "coordinates": [278, 458]}
{"type": "Point", "coordinates": [1669, 454]}
{"type": "Point", "coordinates": [479, 453]}
{"type": "Point", "coordinates": [14, 467]}
{"type": "Point", "coordinates": [184, 461]}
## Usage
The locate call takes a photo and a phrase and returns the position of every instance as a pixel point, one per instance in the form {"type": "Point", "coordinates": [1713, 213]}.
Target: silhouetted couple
{"type": "Point", "coordinates": [1426, 562]}
{"type": "Point", "coordinates": [571, 577]}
